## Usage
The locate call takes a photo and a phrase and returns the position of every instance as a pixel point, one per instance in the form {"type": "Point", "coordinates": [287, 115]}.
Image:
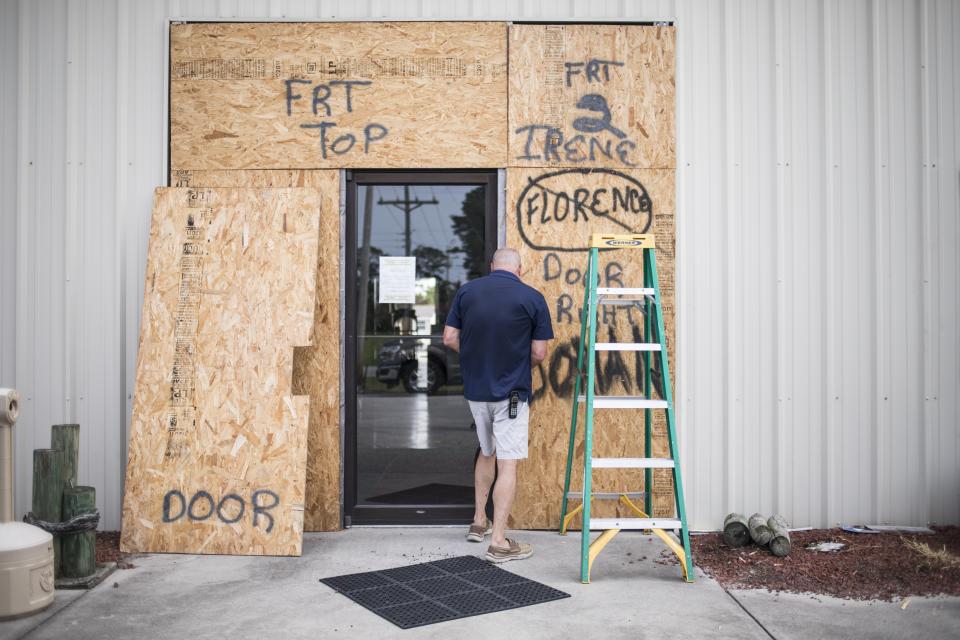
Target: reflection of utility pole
{"type": "Point", "coordinates": [364, 284]}
{"type": "Point", "coordinates": [407, 206]}
{"type": "Point", "coordinates": [450, 251]}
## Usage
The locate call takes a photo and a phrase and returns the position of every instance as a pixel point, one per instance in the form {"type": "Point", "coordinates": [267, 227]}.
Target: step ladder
{"type": "Point", "coordinates": [647, 301]}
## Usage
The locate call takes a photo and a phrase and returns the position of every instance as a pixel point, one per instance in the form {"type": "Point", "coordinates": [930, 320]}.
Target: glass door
{"type": "Point", "coordinates": [412, 239]}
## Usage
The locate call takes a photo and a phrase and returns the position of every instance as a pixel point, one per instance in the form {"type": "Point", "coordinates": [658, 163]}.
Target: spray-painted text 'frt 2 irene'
{"type": "Point", "coordinates": [326, 101]}
{"type": "Point", "coordinates": [595, 135]}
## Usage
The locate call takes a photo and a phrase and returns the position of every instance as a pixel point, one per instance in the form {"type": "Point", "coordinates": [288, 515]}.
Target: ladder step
{"type": "Point", "coordinates": [634, 523]}
{"type": "Point", "coordinates": [623, 302]}
{"type": "Point", "coordinates": [624, 402]}
{"type": "Point", "coordinates": [578, 495]}
{"type": "Point", "coordinates": [627, 346]}
{"type": "Point", "coordinates": [632, 463]}
{"type": "Point", "coordinates": [623, 291]}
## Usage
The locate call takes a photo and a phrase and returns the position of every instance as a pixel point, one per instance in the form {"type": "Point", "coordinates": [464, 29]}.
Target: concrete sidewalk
{"type": "Point", "coordinates": [177, 596]}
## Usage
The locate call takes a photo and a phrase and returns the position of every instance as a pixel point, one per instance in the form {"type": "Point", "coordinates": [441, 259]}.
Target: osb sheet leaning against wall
{"type": "Point", "coordinates": [591, 107]}
{"type": "Point", "coordinates": [312, 95]}
{"type": "Point", "coordinates": [592, 95]}
{"type": "Point", "coordinates": [316, 368]}
{"type": "Point", "coordinates": [217, 447]}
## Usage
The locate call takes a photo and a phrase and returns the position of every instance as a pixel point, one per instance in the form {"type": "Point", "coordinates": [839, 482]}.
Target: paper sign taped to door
{"type": "Point", "coordinates": [398, 277]}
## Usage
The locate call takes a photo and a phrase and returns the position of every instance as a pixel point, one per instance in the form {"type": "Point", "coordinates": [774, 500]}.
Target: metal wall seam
{"type": "Point", "coordinates": [900, 254]}
{"type": "Point", "coordinates": [794, 131]}
{"type": "Point", "coordinates": [782, 110]}
{"type": "Point", "coordinates": [102, 402]}
{"type": "Point", "coordinates": [926, 369]}
{"type": "Point", "coordinates": [807, 482]}
{"type": "Point", "coordinates": [848, 396]}
{"type": "Point", "coordinates": [881, 480]}
{"type": "Point", "coordinates": [912, 316]}
{"type": "Point", "coordinates": [910, 166]}
{"type": "Point", "coordinates": [830, 25]}
{"type": "Point", "coordinates": [69, 278]}
{"type": "Point", "coordinates": [945, 177]}
{"type": "Point", "coordinates": [948, 293]}
{"type": "Point", "coordinates": [732, 257]}
{"type": "Point", "coordinates": [949, 200]}
{"type": "Point", "coordinates": [681, 376]}
{"type": "Point", "coordinates": [808, 274]}
{"type": "Point", "coordinates": [135, 128]}
{"type": "Point", "coordinates": [9, 172]}
{"type": "Point", "coordinates": [710, 344]}
{"type": "Point", "coordinates": [860, 197]}
{"type": "Point", "coordinates": [693, 155]}
{"type": "Point", "coordinates": [25, 195]}
{"type": "Point", "coordinates": [345, 10]}
{"type": "Point", "coordinates": [122, 242]}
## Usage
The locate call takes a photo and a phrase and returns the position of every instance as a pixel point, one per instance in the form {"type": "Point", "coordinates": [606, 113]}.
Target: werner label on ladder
{"type": "Point", "coordinates": [653, 348]}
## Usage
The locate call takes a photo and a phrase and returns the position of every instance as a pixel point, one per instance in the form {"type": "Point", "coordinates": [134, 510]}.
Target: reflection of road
{"type": "Point", "coordinates": [410, 440]}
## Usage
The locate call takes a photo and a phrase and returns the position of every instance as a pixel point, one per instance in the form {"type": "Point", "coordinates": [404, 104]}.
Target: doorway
{"type": "Point", "coordinates": [412, 238]}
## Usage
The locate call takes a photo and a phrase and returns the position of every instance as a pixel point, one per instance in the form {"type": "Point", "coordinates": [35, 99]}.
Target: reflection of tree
{"type": "Point", "coordinates": [434, 263]}
{"type": "Point", "coordinates": [375, 253]}
{"type": "Point", "coordinates": [370, 314]}
{"type": "Point", "coordinates": [431, 262]}
{"type": "Point", "coordinates": [470, 229]}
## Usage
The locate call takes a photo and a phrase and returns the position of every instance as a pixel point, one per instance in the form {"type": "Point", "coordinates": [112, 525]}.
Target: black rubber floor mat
{"type": "Point", "coordinates": [441, 590]}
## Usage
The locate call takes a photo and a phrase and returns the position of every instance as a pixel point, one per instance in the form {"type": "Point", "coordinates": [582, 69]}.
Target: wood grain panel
{"type": "Point", "coordinates": [316, 368]}
{"type": "Point", "coordinates": [218, 441]}
{"type": "Point", "coordinates": [551, 214]}
{"type": "Point", "coordinates": [592, 96]}
{"type": "Point", "coordinates": [313, 95]}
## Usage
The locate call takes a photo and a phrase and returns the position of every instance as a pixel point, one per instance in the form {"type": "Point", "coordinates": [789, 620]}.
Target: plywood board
{"type": "Point", "coordinates": [217, 447]}
{"type": "Point", "coordinates": [592, 96]}
{"type": "Point", "coordinates": [551, 214]}
{"type": "Point", "coordinates": [313, 95]}
{"type": "Point", "coordinates": [316, 368]}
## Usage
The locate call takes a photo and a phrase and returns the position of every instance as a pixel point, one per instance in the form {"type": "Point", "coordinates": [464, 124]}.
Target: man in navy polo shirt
{"type": "Point", "coordinates": [500, 326]}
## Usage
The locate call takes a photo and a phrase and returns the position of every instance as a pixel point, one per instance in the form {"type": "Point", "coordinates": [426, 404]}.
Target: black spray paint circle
{"type": "Point", "coordinates": [646, 206]}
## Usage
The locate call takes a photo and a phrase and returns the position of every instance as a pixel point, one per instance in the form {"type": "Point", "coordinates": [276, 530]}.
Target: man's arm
{"type": "Point", "coordinates": [542, 331]}
{"type": "Point", "coordinates": [451, 338]}
{"type": "Point", "coordinates": [538, 351]}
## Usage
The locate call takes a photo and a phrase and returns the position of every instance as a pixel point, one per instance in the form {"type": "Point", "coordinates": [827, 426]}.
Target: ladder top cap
{"type": "Point", "coordinates": [622, 241]}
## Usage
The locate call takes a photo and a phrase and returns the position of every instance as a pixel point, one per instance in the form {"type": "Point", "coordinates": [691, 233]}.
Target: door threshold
{"type": "Point", "coordinates": [406, 526]}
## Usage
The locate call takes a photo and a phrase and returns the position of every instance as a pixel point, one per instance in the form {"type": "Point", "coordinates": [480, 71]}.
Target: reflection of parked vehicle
{"type": "Point", "coordinates": [397, 364]}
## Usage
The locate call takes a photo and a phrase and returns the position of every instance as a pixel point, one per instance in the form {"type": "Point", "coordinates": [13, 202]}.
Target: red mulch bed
{"type": "Point", "coordinates": [870, 566]}
{"type": "Point", "coordinates": [108, 550]}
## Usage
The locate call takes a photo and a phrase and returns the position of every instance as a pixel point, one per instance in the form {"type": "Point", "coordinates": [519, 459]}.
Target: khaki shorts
{"type": "Point", "coordinates": [497, 432]}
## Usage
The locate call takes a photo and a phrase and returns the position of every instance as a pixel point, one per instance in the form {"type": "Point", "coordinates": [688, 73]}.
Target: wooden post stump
{"type": "Point", "coordinates": [79, 558]}
{"type": "Point", "coordinates": [48, 492]}
{"type": "Point", "coordinates": [759, 531]}
{"type": "Point", "coordinates": [780, 542]}
{"type": "Point", "coordinates": [66, 437]}
{"type": "Point", "coordinates": [736, 531]}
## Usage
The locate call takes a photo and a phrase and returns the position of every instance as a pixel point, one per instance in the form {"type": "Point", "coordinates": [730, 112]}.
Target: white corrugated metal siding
{"type": "Point", "coordinates": [818, 207]}
{"type": "Point", "coordinates": [818, 285]}
{"type": "Point", "coordinates": [8, 190]}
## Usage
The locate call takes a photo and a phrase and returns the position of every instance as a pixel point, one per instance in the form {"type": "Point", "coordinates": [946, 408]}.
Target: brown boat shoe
{"type": "Point", "coordinates": [477, 532]}
{"type": "Point", "coordinates": [514, 551]}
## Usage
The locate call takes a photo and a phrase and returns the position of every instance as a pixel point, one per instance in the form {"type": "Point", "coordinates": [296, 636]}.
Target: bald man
{"type": "Point", "coordinates": [500, 326]}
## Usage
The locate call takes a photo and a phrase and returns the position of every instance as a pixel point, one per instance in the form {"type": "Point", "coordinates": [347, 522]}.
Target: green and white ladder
{"type": "Point", "coordinates": [647, 300]}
